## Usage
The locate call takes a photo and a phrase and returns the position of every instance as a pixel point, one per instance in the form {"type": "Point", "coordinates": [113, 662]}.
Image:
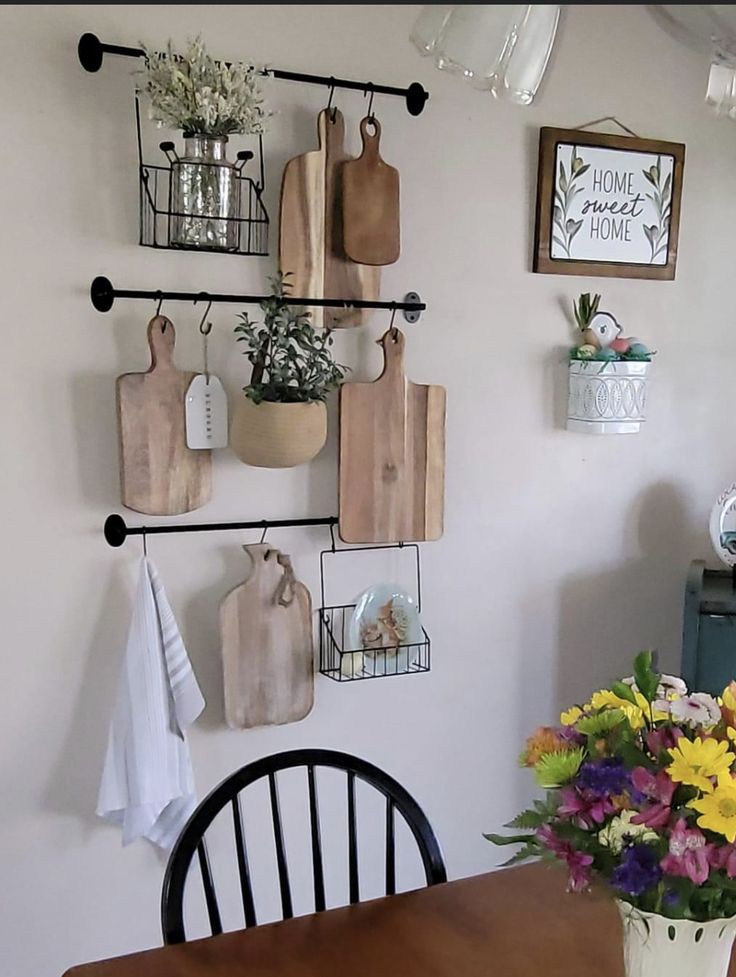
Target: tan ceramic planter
{"type": "Point", "coordinates": [278, 435]}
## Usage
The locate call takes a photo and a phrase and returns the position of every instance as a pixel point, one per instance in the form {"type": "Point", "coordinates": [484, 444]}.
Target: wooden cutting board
{"type": "Point", "coordinates": [370, 203]}
{"type": "Point", "coordinates": [267, 646]}
{"type": "Point", "coordinates": [392, 455]}
{"type": "Point", "coordinates": [310, 234]}
{"type": "Point", "coordinates": [159, 474]}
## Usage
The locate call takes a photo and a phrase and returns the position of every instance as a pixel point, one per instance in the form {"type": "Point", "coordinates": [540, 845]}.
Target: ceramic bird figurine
{"type": "Point", "coordinates": [602, 330]}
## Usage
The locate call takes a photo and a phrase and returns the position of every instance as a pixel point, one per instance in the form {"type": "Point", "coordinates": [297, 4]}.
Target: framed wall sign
{"type": "Point", "coordinates": [607, 205]}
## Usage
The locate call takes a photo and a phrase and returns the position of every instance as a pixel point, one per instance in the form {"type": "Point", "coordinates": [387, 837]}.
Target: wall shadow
{"type": "Point", "coordinates": [606, 617]}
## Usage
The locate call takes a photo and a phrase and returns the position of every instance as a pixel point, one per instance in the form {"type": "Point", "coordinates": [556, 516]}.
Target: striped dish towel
{"type": "Point", "coordinates": [147, 784]}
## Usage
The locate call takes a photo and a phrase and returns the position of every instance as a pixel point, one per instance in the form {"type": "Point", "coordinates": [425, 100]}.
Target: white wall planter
{"type": "Point", "coordinates": [658, 947]}
{"type": "Point", "coordinates": [607, 397]}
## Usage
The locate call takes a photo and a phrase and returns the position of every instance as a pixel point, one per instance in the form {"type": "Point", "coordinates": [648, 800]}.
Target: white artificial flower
{"type": "Point", "coordinates": [695, 710]}
{"type": "Point", "coordinates": [620, 831]}
{"type": "Point", "coordinates": [670, 687]}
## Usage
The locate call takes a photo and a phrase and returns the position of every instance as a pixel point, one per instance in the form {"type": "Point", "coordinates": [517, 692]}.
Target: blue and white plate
{"type": "Point", "coordinates": [384, 622]}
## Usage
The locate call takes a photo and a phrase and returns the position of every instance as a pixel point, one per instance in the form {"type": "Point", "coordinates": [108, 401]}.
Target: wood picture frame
{"type": "Point", "coordinates": [603, 212]}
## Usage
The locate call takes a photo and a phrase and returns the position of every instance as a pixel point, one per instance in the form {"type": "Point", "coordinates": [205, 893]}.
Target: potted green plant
{"type": "Point", "coordinates": [208, 100]}
{"type": "Point", "coordinates": [282, 420]}
{"type": "Point", "coordinates": [608, 374]}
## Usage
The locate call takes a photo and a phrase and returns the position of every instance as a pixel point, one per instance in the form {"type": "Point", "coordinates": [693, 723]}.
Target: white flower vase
{"type": "Point", "coordinates": [607, 397]}
{"type": "Point", "coordinates": [655, 946]}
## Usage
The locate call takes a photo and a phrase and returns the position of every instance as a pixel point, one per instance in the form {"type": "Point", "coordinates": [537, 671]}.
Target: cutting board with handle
{"type": "Point", "coordinates": [311, 245]}
{"type": "Point", "coordinates": [159, 474]}
{"type": "Point", "coordinates": [370, 202]}
{"type": "Point", "coordinates": [392, 455]}
{"type": "Point", "coordinates": [267, 645]}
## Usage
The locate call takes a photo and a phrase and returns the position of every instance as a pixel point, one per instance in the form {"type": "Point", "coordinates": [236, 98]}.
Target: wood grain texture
{"type": "Point", "coordinates": [392, 455]}
{"type": "Point", "coordinates": [310, 233]}
{"type": "Point", "coordinates": [159, 474]}
{"type": "Point", "coordinates": [518, 922]}
{"type": "Point", "coordinates": [370, 203]}
{"type": "Point", "coordinates": [267, 648]}
{"type": "Point", "coordinates": [549, 137]}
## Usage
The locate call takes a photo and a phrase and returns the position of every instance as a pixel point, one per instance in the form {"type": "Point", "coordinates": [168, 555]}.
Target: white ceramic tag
{"type": "Point", "coordinates": [206, 413]}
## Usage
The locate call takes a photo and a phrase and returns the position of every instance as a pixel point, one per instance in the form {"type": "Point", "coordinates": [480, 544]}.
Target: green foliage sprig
{"type": "Point", "coordinates": [197, 94]}
{"type": "Point", "coordinates": [292, 361]}
{"type": "Point", "coordinates": [585, 308]}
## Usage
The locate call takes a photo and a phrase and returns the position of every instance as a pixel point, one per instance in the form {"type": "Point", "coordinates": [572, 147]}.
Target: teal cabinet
{"type": "Point", "coordinates": [709, 629]}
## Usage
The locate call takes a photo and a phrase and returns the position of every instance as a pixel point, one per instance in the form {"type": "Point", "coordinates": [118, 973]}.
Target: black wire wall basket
{"type": "Point", "coordinates": [188, 205]}
{"type": "Point", "coordinates": [342, 662]}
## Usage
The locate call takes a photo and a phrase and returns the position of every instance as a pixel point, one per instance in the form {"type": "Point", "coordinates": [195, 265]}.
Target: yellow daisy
{"type": "Point", "coordinates": [605, 699]}
{"type": "Point", "coordinates": [571, 716]}
{"type": "Point", "coordinates": [718, 809]}
{"type": "Point", "coordinates": [694, 762]}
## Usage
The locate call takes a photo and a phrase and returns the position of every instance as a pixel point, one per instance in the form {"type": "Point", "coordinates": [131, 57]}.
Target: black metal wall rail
{"type": "Point", "coordinates": [117, 531]}
{"type": "Point", "coordinates": [103, 295]}
{"type": "Point", "coordinates": [91, 51]}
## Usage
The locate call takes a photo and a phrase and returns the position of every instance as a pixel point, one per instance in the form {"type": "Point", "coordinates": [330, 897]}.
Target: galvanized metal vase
{"type": "Point", "coordinates": [205, 196]}
{"type": "Point", "coordinates": [655, 946]}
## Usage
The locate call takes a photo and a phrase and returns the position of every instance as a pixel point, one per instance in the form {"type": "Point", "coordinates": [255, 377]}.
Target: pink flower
{"type": "Point", "coordinates": [662, 739]}
{"type": "Point", "coordinates": [658, 790]}
{"type": "Point", "coordinates": [690, 855]}
{"type": "Point", "coordinates": [578, 863]}
{"type": "Point", "coordinates": [725, 858]}
{"type": "Point", "coordinates": [583, 808]}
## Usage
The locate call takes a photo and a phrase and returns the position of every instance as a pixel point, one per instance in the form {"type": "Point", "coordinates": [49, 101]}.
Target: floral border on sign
{"type": "Point", "coordinates": [564, 228]}
{"type": "Point", "coordinates": [661, 197]}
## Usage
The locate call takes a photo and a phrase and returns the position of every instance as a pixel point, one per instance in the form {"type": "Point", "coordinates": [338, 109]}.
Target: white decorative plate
{"type": "Point", "coordinates": [723, 520]}
{"type": "Point", "coordinates": [385, 620]}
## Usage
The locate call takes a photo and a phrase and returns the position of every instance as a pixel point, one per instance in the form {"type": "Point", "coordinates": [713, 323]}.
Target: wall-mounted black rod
{"type": "Point", "coordinates": [116, 530]}
{"type": "Point", "coordinates": [103, 294]}
{"type": "Point", "coordinates": [92, 50]}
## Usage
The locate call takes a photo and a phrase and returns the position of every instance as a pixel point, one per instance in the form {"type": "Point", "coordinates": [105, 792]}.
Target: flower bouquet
{"type": "Point", "coordinates": [641, 798]}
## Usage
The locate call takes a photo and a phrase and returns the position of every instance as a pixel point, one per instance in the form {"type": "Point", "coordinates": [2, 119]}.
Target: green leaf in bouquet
{"type": "Point", "coordinates": [528, 851]}
{"type": "Point", "coordinates": [647, 680]}
{"type": "Point", "coordinates": [624, 691]}
{"type": "Point", "coordinates": [508, 839]}
{"type": "Point", "coordinates": [529, 819]}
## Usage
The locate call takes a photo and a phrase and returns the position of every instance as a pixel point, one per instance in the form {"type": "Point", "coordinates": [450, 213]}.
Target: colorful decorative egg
{"type": "Point", "coordinates": [620, 345]}
{"type": "Point", "coordinates": [586, 351]}
{"type": "Point", "coordinates": [639, 349]}
{"type": "Point", "coordinates": [606, 354]}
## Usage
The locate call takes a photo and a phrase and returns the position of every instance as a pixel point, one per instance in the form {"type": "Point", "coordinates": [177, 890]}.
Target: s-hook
{"type": "Point", "coordinates": [331, 110]}
{"type": "Point", "coordinates": [369, 90]}
{"type": "Point", "coordinates": [205, 329]}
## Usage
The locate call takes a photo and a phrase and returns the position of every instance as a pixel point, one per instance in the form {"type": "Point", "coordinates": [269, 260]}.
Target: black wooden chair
{"type": "Point", "coordinates": [192, 839]}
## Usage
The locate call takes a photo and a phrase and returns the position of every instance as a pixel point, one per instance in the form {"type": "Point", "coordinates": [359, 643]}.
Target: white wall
{"type": "Point", "coordinates": [563, 554]}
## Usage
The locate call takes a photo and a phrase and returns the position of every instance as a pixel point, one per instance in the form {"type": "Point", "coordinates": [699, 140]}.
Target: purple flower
{"type": "Point", "coordinates": [689, 854]}
{"type": "Point", "coordinates": [578, 863]}
{"type": "Point", "coordinates": [604, 778]}
{"type": "Point", "coordinates": [639, 870]}
{"type": "Point", "coordinates": [662, 739]}
{"type": "Point", "coordinates": [657, 792]}
{"type": "Point", "coordinates": [584, 808]}
{"type": "Point", "coordinates": [724, 858]}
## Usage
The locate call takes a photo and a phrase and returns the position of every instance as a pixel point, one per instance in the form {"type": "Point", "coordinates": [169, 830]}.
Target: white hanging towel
{"type": "Point", "coordinates": [147, 784]}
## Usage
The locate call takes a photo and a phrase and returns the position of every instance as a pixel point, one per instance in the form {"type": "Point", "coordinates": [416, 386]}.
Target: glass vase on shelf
{"type": "Point", "coordinates": [205, 196]}
{"type": "Point", "coordinates": [501, 48]}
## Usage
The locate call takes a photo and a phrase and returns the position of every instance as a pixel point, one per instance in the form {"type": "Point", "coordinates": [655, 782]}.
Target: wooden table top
{"type": "Point", "coordinates": [518, 922]}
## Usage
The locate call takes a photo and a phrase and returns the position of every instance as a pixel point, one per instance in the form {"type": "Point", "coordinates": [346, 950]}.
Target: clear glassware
{"type": "Point", "coordinates": [525, 54]}
{"type": "Point", "coordinates": [472, 38]}
{"type": "Point", "coordinates": [205, 196]}
{"type": "Point", "coordinates": [501, 48]}
{"type": "Point", "coordinates": [428, 27]}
